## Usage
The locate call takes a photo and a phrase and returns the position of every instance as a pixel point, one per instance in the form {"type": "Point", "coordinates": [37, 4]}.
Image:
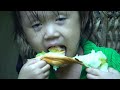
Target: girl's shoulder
{"type": "Point", "coordinates": [88, 46]}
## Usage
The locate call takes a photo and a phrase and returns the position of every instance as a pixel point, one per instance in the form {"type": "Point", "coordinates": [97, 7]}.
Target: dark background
{"type": "Point", "coordinates": [8, 50]}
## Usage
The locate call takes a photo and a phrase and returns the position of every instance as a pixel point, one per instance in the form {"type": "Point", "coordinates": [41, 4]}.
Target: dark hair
{"type": "Point", "coordinates": [86, 20]}
{"type": "Point", "coordinates": [26, 50]}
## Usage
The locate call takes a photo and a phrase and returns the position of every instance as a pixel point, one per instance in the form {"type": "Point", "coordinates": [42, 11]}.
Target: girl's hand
{"type": "Point", "coordinates": [34, 69]}
{"type": "Point", "coordinates": [97, 74]}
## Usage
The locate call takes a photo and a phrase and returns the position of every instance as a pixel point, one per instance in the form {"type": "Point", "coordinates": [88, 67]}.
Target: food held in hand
{"type": "Point", "coordinates": [95, 60]}
{"type": "Point", "coordinates": [56, 57]}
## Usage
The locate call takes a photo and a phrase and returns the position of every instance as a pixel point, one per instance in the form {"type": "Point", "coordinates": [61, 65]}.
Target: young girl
{"type": "Point", "coordinates": [37, 31]}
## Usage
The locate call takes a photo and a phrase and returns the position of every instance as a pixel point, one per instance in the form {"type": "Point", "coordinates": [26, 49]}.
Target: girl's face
{"type": "Point", "coordinates": [45, 29]}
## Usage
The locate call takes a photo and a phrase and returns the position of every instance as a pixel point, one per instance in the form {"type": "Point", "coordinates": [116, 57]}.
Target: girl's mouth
{"type": "Point", "coordinates": [58, 48]}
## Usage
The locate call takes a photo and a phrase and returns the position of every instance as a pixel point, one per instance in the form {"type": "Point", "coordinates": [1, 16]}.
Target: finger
{"type": "Point", "coordinates": [47, 77]}
{"type": "Point", "coordinates": [90, 76]}
{"type": "Point", "coordinates": [93, 71]}
{"type": "Point", "coordinates": [112, 70]}
{"type": "Point", "coordinates": [46, 74]}
{"type": "Point", "coordinates": [45, 68]}
{"type": "Point", "coordinates": [37, 59]}
{"type": "Point", "coordinates": [39, 64]}
{"type": "Point", "coordinates": [31, 61]}
{"type": "Point", "coordinates": [40, 76]}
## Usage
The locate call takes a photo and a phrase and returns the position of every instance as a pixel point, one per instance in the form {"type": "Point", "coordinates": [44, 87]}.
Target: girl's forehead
{"type": "Point", "coordinates": [41, 13]}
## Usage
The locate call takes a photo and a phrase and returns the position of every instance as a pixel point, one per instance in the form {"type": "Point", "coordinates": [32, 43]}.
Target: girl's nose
{"type": "Point", "coordinates": [51, 33]}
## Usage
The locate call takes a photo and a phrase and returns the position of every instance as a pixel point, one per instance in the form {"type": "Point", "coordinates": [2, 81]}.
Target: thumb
{"type": "Point", "coordinates": [31, 61]}
{"type": "Point", "coordinates": [112, 70]}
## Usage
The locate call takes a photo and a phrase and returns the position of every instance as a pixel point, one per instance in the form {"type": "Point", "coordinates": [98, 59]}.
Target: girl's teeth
{"type": "Point", "coordinates": [59, 48]}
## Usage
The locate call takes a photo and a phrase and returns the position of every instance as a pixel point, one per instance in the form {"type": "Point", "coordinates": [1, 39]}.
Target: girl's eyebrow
{"type": "Point", "coordinates": [41, 13]}
{"type": "Point", "coordinates": [56, 13]}
{"type": "Point", "coordinates": [38, 15]}
{"type": "Point", "coordinates": [66, 13]}
{"type": "Point", "coordinates": [35, 15]}
{"type": "Point", "coordinates": [27, 15]}
{"type": "Point", "coordinates": [29, 20]}
{"type": "Point", "coordinates": [31, 16]}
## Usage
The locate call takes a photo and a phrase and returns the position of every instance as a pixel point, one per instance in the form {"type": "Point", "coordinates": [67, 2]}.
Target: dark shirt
{"type": "Point", "coordinates": [19, 64]}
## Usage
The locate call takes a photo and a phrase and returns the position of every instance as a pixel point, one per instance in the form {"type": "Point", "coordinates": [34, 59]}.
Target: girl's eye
{"type": "Point", "coordinates": [60, 20]}
{"type": "Point", "coordinates": [36, 26]}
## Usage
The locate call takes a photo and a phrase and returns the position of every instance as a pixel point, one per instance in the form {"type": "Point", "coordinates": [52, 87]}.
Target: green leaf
{"type": "Point", "coordinates": [41, 54]}
{"type": "Point", "coordinates": [55, 67]}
